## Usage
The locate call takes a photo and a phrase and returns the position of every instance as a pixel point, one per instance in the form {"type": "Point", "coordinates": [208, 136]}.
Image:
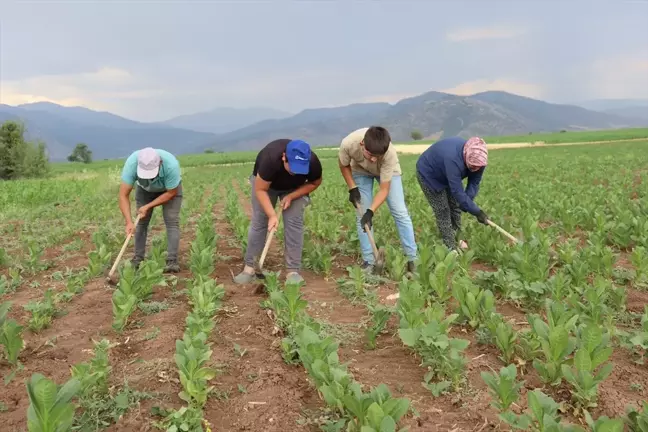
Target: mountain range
{"type": "Point", "coordinates": [624, 107]}
{"type": "Point", "coordinates": [221, 120]}
{"type": "Point", "coordinates": [433, 114]}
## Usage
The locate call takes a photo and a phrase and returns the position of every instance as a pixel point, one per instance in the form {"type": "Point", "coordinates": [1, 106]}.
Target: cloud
{"type": "Point", "coordinates": [97, 89]}
{"type": "Point", "coordinates": [620, 77]}
{"type": "Point", "coordinates": [482, 33]}
{"type": "Point", "coordinates": [520, 88]}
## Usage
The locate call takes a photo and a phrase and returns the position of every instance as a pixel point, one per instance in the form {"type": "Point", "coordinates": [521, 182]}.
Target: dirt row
{"type": "Point", "coordinates": [255, 389]}
{"type": "Point", "coordinates": [395, 365]}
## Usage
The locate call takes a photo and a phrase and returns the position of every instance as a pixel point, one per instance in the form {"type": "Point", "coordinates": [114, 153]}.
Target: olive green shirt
{"type": "Point", "coordinates": [351, 154]}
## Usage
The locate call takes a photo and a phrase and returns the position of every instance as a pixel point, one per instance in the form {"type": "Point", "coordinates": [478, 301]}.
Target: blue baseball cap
{"type": "Point", "coordinates": [298, 154]}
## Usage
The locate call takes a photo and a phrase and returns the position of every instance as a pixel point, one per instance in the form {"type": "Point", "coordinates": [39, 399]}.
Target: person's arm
{"type": "Point", "coordinates": [124, 201]}
{"type": "Point", "coordinates": [346, 173]}
{"type": "Point", "coordinates": [305, 189]}
{"type": "Point", "coordinates": [381, 196]}
{"type": "Point", "coordinates": [387, 168]}
{"type": "Point", "coordinates": [124, 205]}
{"type": "Point", "coordinates": [474, 179]}
{"type": "Point", "coordinates": [261, 188]}
{"type": "Point", "coordinates": [171, 182]}
{"type": "Point", "coordinates": [453, 175]}
{"type": "Point", "coordinates": [165, 197]}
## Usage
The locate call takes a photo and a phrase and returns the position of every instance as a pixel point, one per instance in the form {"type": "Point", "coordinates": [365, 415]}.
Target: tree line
{"type": "Point", "coordinates": [20, 158]}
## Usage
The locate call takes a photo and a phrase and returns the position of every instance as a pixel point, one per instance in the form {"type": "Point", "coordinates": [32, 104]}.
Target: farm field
{"type": "Point", "coordinates": [563, 137]}
{"type": "Point", "coordinates": [554, 329]}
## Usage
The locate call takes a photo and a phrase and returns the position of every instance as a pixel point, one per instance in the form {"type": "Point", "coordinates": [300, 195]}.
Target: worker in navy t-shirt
{"type": "Point", "coordinates": [289, 170]}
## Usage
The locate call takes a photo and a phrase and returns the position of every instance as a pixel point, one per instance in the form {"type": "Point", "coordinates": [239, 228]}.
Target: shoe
{"type": "Point", "coordinates": [172, 267]}
{"type": "Point", "coordinates": [135, 262]}
{"type": "Point", "coordinates": [294, 277]}
{"type": "Point", "coordinates": [244, 278]}
{"type": "Point", "coordinates": [411, 267]}
{"type": "Point", "coordinates": [367, 268]}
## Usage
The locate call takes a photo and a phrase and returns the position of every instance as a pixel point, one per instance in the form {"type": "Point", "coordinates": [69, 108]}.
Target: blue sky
{"type": "Point", "coordinates": [151, 60]}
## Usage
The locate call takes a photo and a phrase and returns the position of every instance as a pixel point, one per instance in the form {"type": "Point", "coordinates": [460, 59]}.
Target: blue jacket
{"type": "Point", "coordinates": [442, 166]}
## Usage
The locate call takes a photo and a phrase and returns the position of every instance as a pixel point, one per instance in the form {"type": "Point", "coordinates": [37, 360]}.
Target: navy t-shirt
{"type": "Point", "coordinates": [270, 167]}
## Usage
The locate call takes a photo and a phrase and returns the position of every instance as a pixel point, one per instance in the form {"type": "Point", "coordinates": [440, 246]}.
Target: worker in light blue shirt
{"type": "Point", "coordinates": [155, 174]}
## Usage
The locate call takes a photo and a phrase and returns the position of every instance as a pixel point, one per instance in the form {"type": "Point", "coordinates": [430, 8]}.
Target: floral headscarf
{"type": "Point", "coordinates": [475, 152]}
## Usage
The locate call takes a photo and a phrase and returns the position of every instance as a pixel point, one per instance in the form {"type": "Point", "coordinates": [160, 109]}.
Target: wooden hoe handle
{"type": "Point", "coordinates": [121, 252]}
{"type": "Point", "coordinates": [269, 239]}
{"type": "Point", "coordinates": [500, 229]}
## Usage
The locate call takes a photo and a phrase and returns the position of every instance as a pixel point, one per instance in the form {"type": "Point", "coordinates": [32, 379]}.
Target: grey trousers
{"type": "Point", "coordinates": [293, 219]}
{"type": "Point", "coordinates": [171, 214]}
{"type": "Point", "coordinates": [447, 213]}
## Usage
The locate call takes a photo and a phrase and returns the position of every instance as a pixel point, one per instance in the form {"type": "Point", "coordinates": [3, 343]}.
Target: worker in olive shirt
{"type": "Point", "coordinates": [366, 155]}
{"type": "Point", "coordinates": [156, 175]}
{"type": "Point", "coordinates": [289, 170]}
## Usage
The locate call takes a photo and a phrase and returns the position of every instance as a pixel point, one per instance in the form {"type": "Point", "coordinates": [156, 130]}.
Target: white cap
{"type": "Point", "coordinates": [148, 163]}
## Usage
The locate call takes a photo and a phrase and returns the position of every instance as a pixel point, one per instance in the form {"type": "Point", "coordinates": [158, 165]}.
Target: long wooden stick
{"type": "Point", "coordinates": [500, 229]}
{"type": "Point", "coordinates": [121, 252]}
{"type": "Point", "coordinates": [269, 239]}
{"type": "Point", "coordinates": [370, 235]}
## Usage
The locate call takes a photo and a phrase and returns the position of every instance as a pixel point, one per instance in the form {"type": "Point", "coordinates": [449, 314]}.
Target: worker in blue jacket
{"type": "Point", "coordinates": [440, 171]}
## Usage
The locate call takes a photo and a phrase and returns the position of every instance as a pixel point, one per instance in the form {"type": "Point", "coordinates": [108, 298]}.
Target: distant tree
{"type": "Point", "coordinates": [36, 160]}
{"type": "Point", "coordinates": [19, 158]}
{"type": "Point", "coordinates": [416, 135]}
{"type": "Point", "coordinates": [81, 153]}
{"type": "Point", "coordinates": [563, 131]}
{"type": "Point", "coordinates": [209, 150]}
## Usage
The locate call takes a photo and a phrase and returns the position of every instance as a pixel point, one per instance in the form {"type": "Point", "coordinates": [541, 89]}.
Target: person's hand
{"type": "Point", "coordinates": [286, 201]}
{"type": "Point", "coordinates": [366, 219]}
{"type": "Point", "coordinates": [354, 196]}
{"type": "Point", "coordinates": [273, 223]}
{"type": "Point", "coordinates": [130, 228]}
{"type": "Point", "coordinates": [143, 211]}
{"type": "Point", "coordinates": [482, 217]}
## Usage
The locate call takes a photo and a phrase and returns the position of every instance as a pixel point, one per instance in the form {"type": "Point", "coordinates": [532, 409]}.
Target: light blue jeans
{"type": "Point", "coordinates": [398, 209]}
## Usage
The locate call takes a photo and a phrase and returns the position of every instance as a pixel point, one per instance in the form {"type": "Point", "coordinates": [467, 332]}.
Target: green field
{"type": "Point", "coordinates": [563, 137]}
{"type": "Point", "coordinates": [564, 311]}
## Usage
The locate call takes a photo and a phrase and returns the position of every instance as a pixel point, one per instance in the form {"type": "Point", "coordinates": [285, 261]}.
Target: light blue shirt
{"type": "Point", "coordinates": [168, 177]}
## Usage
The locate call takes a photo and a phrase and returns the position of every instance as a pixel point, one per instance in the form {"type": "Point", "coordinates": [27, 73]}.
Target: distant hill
{"type": "Point", "coordinates": [434, 114]}
{"type": "Point", "coordinates": [221, 120]}
{"type": "Point", "coordinates": [107, 135]}
{"type": "Point", "coordinates": [637, 108]}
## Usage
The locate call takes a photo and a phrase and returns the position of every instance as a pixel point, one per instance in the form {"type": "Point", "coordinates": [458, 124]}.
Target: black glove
{"type": "Point", "coordinates": [366, 219]}
{"type": "Point", "coordinates": [482, 217]}
{"type": "Point", "coordinates": [354, 196]}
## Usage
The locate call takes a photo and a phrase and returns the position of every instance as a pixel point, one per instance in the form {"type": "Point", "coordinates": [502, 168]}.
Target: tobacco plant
{"type": "Point", "coordinates": [191, 356]}
{"type": "Point", "coordinates": [542, 416]}
{"type": "Point", "coordinates": [475, 305]}
{"type": "Point", "coordinates": [10, 335]}
{"type": "Point", "coordinates": [134, 287]}
{"type": "Point", "coordinates": [588, 369]}
{"type": "Point", "coordinates": [556, 341]}
{"type": "Point", "coordinates": [379, 316]}
{"type": "Point", "coordinates": [50, 406]}
{"type": "Point", "coordinates": [503, 336]}
{"type": "Point", "coordinates": [504, 389]}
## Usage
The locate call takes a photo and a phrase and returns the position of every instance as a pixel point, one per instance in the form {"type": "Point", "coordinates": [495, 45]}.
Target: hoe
{"type": "Point", "coordinates": [110, 279]}
{"type": "Point", "coordinates": [379, 254]}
